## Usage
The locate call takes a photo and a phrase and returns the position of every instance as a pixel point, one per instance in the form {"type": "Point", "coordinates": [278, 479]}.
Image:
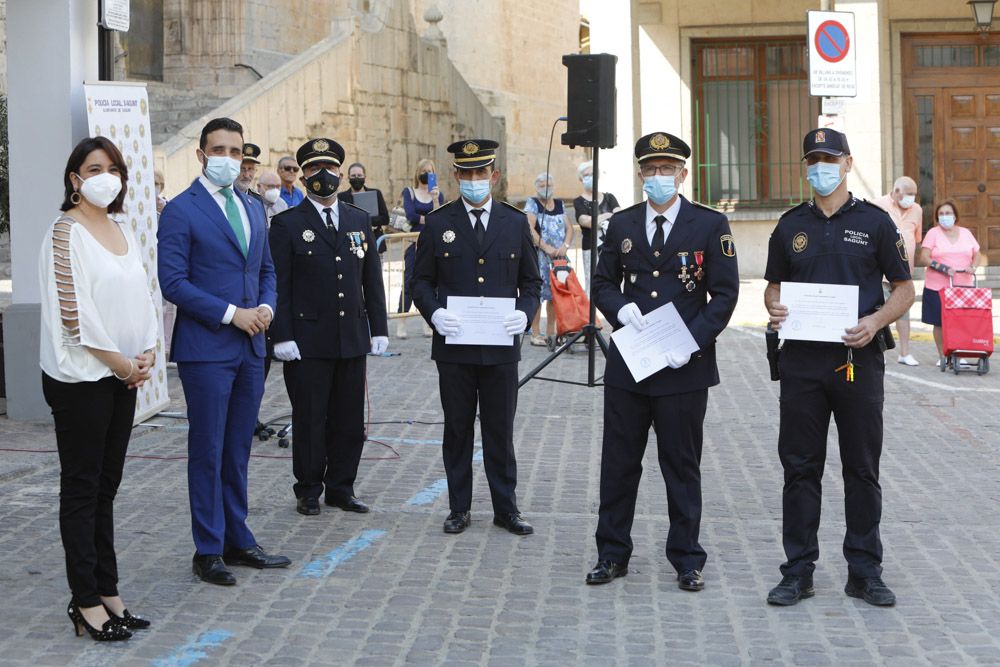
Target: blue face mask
{"type": "Point", "coordinates": [946, 221]}
{"type": "Point", "coordinates": [660, 189]}
{"type": "Point", "coordinates": [824, 177]}
{"type": "Point", "coordinates": [221, 170]}
{"type": "Point", "coordinates": [474, 191]}
{"type": "Point", "coordinates": [588, 183]}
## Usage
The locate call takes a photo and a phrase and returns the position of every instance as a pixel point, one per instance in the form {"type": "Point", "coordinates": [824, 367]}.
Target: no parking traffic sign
{"type": "Point", "coordinates": [832, 61]}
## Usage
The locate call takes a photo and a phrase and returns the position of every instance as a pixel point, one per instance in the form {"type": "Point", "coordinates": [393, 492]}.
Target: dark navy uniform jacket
{"type": "Point", "coordinates": [449, 262]}
{"type": "Point", "coordinates": [857, 246]}
{"type": "Point", "coordinates": [330, 301]}
{"type": "Point", "coordinates": [652, 281]}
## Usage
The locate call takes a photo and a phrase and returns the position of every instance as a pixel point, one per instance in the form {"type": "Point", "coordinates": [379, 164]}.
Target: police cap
{"type": "Point", "coordinates": [320, 150]}
{"type": "Point", "coordinates": [825, 140]}
{"type": "Point", "coordinates": [473, 153]}
{"type": "Point", "coordinates": [251, 153]}
{"type": "Point", "coordinates": [661, 145]}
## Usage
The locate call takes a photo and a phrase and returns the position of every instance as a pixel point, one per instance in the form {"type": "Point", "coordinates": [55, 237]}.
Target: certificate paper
{"type": "Point", "coordinates": [818, 311]}
{"type": "Point", "coordinates": [645, 351]}
{"type": "Point", "coordinates": [481, 320]}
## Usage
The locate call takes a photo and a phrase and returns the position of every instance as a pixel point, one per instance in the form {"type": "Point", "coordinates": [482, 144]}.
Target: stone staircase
{"type": "Point", "coordinates": [172, 108]}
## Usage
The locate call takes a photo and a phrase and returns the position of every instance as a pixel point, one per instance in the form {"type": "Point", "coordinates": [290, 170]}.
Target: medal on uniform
{"type": "Point", "coordinates": [355, 238]}
{"type": "Point", "coordinates": [699, 258]}
{"type": "Point", "coordinates": [683, 275]}
{"type": "Point", "coordinates": [689, 286]}
{"type": "Point", "coordinates": [448, 236]}
{"type": "Point", "coordinates": [627, 246]}
{"type": "Point", "coordinates": [308, 236]}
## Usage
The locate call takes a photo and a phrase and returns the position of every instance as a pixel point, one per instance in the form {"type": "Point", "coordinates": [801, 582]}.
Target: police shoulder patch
{"type": "Point", "coordinates": [728, 245]}
{"type": "Point", "coordinates": [901, 248]}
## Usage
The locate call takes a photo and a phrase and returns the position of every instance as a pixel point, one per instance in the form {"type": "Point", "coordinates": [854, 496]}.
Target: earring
{"type": "Point", "coordinates": [75, 198]}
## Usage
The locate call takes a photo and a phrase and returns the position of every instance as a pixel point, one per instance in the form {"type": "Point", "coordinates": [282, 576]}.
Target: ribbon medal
{"type": "Point", "coordinates": [355, 238]}
{"type": "Point", "coordinates": [699, 259]}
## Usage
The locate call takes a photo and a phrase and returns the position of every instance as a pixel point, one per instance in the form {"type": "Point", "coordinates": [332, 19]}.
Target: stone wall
{"type": "Point", "coordinates": [3, 47]}
{"type": "Point", "coordinates": [387, 95]}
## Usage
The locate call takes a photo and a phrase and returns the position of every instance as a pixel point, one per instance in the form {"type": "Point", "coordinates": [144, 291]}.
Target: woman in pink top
{"type": "Point", "coordinates": [947, 250]}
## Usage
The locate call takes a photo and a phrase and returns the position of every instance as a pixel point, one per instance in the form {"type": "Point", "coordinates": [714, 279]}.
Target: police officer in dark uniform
{"type": "Point", "coordinates": [331, 312]}
{"type": "Point", "coordinates": [476, 246]}
{"type": "Point", "coordinates": [838, 239]}
{"type": "Point", "coordinates": [664, 250]}
{"type": "Point", "coordinates": [248, 170]}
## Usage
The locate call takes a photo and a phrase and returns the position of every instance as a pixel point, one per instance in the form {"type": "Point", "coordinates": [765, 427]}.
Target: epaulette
{"type": "Point", "coordinates": [282, 214]}
{"type": "Point", "coordinates": [705, 207]}
{"type": "Point", "coordinates": [347, 203]}
{"type": "Point", "coordinates": [440, 208]}
{"type": "Point", "coordinates": [511, 206]}
{"type": "Point", "coordinates": [641, 204]}
{"type": "Point", "coordinates": [806, 203]}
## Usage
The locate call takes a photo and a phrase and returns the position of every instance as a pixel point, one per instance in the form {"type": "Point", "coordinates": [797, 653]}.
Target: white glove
{"type": "Point", "coordinates": [515, 322]}
{"type": "Point", "coordinates": [676, 360]}
{"type": "Point", "coordinates": [380, 344]}
{"type": "Point", "coordinates": [603, 225]}
{"type": "Point", "coordinates": [630, 314]}
{"type": "Point", "coordinates": [287, 351]}
{"type": "Point", "coordinates": [446, 323]}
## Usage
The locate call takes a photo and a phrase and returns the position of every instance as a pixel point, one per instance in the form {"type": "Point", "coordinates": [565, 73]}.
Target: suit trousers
{"type": "Point", "coordinates": [328, 424]}
{"type": "Point", "coordinates": [810, 392]}
{"type": "Point", "coordinates": [93, 422]}
{"type": "Point", "coordinates": [678, 421]}
{"type": "Point", "coordinates": [223, 398]}
{"type": "Point", "coordinates": [494, 389]}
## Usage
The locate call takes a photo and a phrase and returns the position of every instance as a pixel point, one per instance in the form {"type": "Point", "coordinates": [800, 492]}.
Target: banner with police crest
{"type": "Point", "coordinates": [120, 112]}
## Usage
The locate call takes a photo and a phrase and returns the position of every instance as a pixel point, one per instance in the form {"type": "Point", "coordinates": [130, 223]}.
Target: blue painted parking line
{"type": "Point", "coordinates": [404, 441]}
{"type": "Point", "coordinates": [325, 565]}
{"type": "Point", "coordinates": [195, 650]}
{"type": "Point", "coordinates": [429, 494]}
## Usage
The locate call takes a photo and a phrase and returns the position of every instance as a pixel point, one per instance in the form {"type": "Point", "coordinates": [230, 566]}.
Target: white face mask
{"type": "Point", "coordinates": [906, 201]}
{"type": "Point", "coordinates": [102, 189]}
{"type": "Point", "coordinates": [271, 195]}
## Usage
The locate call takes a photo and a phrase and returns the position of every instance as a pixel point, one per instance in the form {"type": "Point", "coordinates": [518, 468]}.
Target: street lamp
{"type": "Point", "coordinates": [982, 12]}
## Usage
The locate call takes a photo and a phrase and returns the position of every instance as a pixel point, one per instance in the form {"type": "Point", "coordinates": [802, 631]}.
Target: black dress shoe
{"type": "Point", "coordinates": [690, 580]}
{"type": "Point", "coordinates": [605, 571]}
{"type": "Point", "coordinates": [791, 590]}
{"type": "Point", "coordinates": [351, 504]}
{"type": "Point", "coordinates": [513, 523]}
{"type": "Point", "coordinates": [457, 522]}
{"type": "Point", "coordinates": [870, 589]}
{"type": "Point", "coordinates": [307, 506]}
{"type": "Point", "coordinates": [212, 569]}
{"type": "Point", "coordinates": [255, 557]}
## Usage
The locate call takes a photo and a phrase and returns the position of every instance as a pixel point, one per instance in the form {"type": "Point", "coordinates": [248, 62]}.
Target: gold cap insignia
{"type": "Point", "coordinates": [321, 145]}
{"type": "Point", "coordinates": [470, 148]}
{"type": "Point", "coordinates": [248, 150]}
{"type": "Point", "coordinates": [659, 142]}
{"type": "Point", "coordinates": [627, 246]}
{"type": "Point", "coordinates": [448, 236]}
{"type": "Point", "coordinates": [821, 137]}
{"type": "Point", "coordinates": [800, 242]}
{"type": "Point", "coordinates": [308, 236]}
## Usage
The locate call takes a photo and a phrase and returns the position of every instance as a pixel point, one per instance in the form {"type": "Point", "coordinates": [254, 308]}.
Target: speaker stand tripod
{"type": "Point", "coordinates": [590, 331]}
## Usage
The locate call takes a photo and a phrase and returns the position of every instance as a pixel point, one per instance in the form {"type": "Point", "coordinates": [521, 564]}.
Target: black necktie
{"type": "Point", "coordinates": [480, 228]}
{"type": "Point", "coordinates": [658, 234]}
{"type": "Point", "coordinates": [329, 223]}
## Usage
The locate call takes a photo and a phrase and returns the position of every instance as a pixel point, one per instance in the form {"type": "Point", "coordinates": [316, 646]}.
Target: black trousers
{"type": "Point", "coordinates": [494, 389]}
{"type": "Point", "coordinates": [328, 424]}
{"type": "Point", "coordinates": [93, 423]}
{"type": "Point", "coordinates": [406, 298]}
{"type": "Point", "coordinates": [810, 392]}
{"type": "Point", "coordinates": [678, 421]}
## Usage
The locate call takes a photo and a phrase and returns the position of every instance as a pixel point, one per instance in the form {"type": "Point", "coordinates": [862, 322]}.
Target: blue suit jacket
{"type": "Point", "coordinates": [202, 270]}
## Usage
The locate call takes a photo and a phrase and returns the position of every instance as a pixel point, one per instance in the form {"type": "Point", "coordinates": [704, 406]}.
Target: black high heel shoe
{"type": "Point", "coordinates": [127, 620]}
{"type": "Point", "coordinates": [111, 631]}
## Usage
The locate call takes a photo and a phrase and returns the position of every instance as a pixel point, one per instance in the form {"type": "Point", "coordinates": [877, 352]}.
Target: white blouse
{"type": "Point", "coordinates": [92, 298]}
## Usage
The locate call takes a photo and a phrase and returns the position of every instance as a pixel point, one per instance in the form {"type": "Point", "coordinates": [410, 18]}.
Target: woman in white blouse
{"type": "Point", "coordinates": [97, 346]}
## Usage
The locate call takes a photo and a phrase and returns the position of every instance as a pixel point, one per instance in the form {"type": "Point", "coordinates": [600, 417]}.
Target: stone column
{"type": "Point", "coordinates": [52, 50]}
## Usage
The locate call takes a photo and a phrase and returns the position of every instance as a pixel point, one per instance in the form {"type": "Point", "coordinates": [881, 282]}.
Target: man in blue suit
{"type": "Point", "coordinates": [215, 265]}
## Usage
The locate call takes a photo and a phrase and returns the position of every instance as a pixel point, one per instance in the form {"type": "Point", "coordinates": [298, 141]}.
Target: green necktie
{"type": "Point", "coordinates": [233, 214]}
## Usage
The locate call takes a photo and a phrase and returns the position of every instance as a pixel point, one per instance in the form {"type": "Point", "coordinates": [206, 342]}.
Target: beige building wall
{"type": "Point", "coordinates": [511, 55]}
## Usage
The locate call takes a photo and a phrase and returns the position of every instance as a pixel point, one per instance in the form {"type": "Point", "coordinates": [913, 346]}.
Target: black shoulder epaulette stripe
{"type": "Point", "coordinates": [440, 208]}
{"type": "Point", "coordinates": [629, 208]}
{"type": "Point", "coordinates": [347, 203]}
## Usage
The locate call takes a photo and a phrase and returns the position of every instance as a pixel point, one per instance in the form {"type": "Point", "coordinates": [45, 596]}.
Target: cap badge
{"type": "Point", "coordinates": [448, 236]}
{"type": "Point", "coordinates": [470, 148]}
{"type": "Point", "coordinates": [308, 236]}
{"type": "Point", "coordinates": [321, 145]}
{"type": "Point", "coordinates": [821, 137]}
{"type": "Point", "coordinates": [248, 150]}
{"type": "Point", "coordinates": [659, 142]}
{"type": "Point", "coordinates": [627, 246]}
{"type": "Point", "coordinates": [800, 242]}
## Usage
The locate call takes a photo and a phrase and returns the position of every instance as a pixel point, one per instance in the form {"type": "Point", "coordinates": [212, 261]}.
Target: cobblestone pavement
{"type": "Point", "coordinates": [390, 588]}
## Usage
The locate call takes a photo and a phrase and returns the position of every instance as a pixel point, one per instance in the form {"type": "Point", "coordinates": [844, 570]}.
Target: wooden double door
{"type": "Point", "coordinates": [951, 86]}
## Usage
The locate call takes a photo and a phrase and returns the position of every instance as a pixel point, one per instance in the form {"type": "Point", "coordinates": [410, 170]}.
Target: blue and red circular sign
{"type": "Point", "coordinates": [832, 41]}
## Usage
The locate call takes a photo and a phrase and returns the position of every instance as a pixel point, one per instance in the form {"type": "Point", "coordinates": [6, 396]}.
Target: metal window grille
{"type": "Point", "coordinates": [751, 109]}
